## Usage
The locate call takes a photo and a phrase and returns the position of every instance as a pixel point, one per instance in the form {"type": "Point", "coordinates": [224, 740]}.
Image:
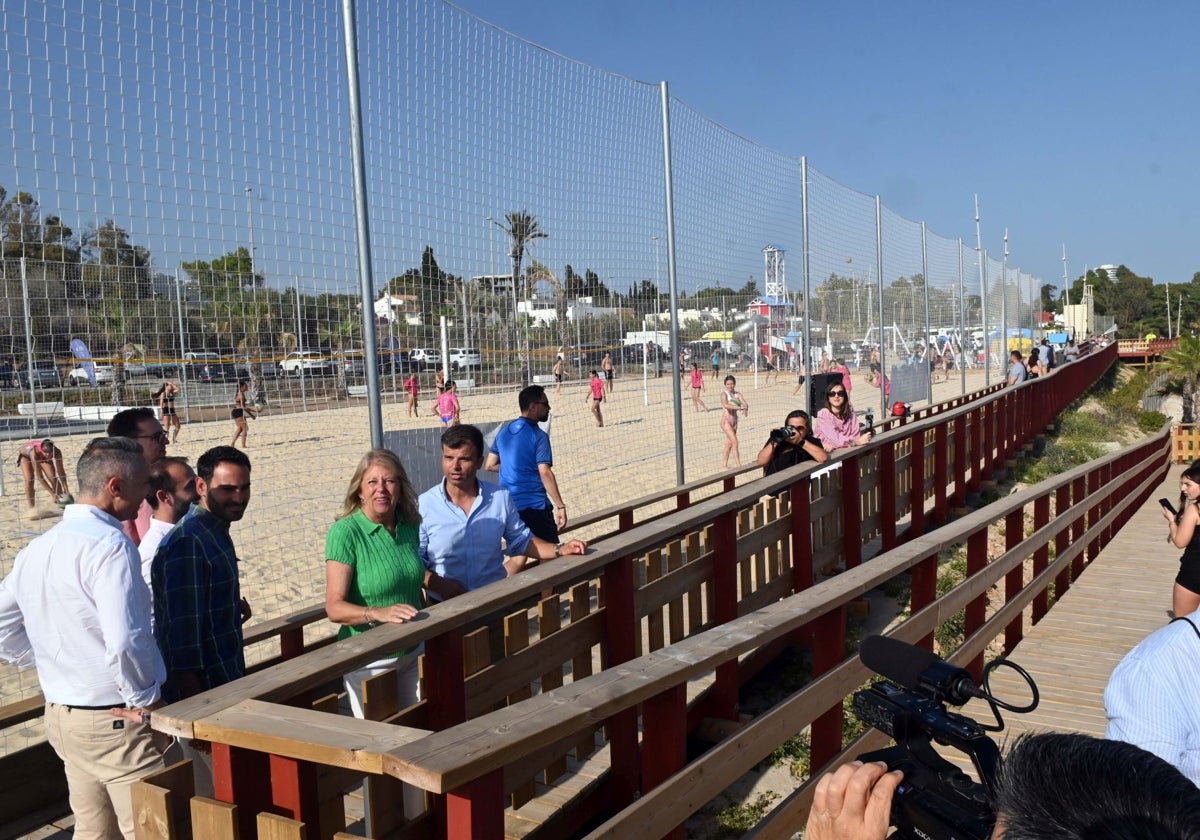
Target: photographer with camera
{"type": "Point", "coordinates": [791, 444]}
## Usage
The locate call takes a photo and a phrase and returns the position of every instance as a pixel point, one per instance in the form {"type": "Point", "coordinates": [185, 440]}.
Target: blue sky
{"type": "Point", "coordinates": [1073, 121]}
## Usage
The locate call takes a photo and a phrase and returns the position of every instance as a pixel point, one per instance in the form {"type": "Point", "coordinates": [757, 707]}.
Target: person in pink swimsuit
{"type": "Point", "coordinates": [595, 396]}
{"type": "Point", "coordinates": [697, 387]}
{"type": "Point", "coordinates": [447, 404]}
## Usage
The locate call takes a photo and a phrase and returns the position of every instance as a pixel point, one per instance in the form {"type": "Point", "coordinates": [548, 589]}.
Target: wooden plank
{"type": "Point", "coordinates": [516, 637]}
{"type": "Point", "coordinates": [581, 663]}
{"type": "Point", "coordinates": [306, 734]}
{"type": "Point", "coordinates": [160, 803]}
{"type": "Point", "coordinates": [214, 820]}
{"type": "Point", "coordinates": [654, 616]}
{"type": "Point", "coordinates": [274, 827]}
{"type": "Point", "coordinates": [549, 623]}
{"type": "Point", "coordinates": [675, 605]}
{"type": "Point", "coordinates": [695, 600]}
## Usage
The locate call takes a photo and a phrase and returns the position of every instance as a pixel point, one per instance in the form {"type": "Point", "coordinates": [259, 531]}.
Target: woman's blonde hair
{"type": "Point", "coordinates": [406, 508]}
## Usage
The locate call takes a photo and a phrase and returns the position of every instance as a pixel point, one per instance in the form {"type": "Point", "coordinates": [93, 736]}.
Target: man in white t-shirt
{"type": "Point", "coordinates": [172, 494]}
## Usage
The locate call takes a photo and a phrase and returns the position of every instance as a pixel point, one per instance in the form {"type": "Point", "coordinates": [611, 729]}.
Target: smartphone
{"type": "Point", "coordinates": [1167, 504]}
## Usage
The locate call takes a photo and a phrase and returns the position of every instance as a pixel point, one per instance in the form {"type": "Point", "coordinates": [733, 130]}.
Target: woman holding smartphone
{"type": "Point", "coordinates": [1183, 533]}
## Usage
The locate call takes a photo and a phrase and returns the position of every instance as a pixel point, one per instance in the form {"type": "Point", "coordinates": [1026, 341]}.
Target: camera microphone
{"type": "Point", "coordinates": [918, 670]}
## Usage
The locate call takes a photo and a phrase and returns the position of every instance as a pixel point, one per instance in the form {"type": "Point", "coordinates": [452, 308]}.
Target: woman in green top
{"type": "Point", "coordinates": [373, 574]}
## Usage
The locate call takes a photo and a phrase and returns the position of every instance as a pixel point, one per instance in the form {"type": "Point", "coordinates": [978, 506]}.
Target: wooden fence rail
{"type": "Point", "coordinates": [652, 587]}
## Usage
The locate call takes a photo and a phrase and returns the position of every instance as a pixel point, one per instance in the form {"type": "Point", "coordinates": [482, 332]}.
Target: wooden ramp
{"type": "Point", "coordinates": [1122, 597]}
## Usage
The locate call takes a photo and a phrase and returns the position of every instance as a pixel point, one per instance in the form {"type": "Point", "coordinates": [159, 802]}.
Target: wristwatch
{"type": "Point", "coordinates": [558, 550]}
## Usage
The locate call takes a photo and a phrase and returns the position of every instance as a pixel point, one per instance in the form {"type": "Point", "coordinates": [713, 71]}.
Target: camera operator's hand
{"type": "Point", "coordinates": [853, 803]}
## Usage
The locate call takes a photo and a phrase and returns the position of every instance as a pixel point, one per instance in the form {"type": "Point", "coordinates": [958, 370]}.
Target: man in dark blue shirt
{"type": "Point", "coordinates": [521, 452]}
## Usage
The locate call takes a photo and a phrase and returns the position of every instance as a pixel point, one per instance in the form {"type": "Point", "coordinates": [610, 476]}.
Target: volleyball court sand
{"type": "Point", "coordinates": [302, 463]}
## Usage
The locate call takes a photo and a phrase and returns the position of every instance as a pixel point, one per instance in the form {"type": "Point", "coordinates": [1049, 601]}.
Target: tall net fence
{"type": "Point", "coordinates": [178, 205]}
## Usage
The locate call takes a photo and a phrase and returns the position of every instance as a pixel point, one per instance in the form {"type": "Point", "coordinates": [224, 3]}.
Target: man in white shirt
{"type": "Point", "coordinates": [75, 607]}
{"type": "Point", "coordinates": [172, 494]}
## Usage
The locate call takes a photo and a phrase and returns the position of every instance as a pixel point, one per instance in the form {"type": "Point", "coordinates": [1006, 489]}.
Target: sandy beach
{"type": "Point", "coordinates": [303, 461]}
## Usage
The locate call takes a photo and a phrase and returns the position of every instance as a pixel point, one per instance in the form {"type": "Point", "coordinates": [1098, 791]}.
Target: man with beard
{"type": "Point", "coordinates": [141, 425]}
{"type": "Point", "coordinates": [198, 608]}
{"type": "Point", "coordinates": [172, 494]}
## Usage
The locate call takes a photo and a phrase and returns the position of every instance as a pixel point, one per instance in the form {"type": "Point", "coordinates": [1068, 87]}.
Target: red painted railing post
{"type": "Point", "coordinates": [984, 439]}
{"type": "Point", "coordinates": [444, 688]}
{"type": "Point", "coordinates": [801, 534]}
{"type": "Point", "coordinates": [916, 496]}
{"type": "Point", "coordinates": [620, 630]}
{"type": "Point", "coordinates": [827, 654]}
{"type": "Point", "coordinates": [924, 591]}
{"type": "Point", "coordinates": [1014, 581]}
{"type": "Point", "coordinates": [851, 513]}
{"type": "Point", "coordinates": [976, 612]}
{"type": "Point", "coordinates": [683, 500]}
{"type": "Point", "coordinates": [294, 789]}
{"type": "Point", "coordinates": [1041, 557]}
{"type": "Point", "coordinates": [664, 740]}
{"type": "Point", "coordinates": [960, 459]}
{"type": "Point", "coordinates": [887, 496]}
{"type": "Point", "coordinates": [941, 473]}
{"type": "Point", "coordinates": [1078, 494]}
{"type": "Point", "coordinates": [724, 696]}
{"type": "Point", "coordinates": [291, 643]}
{"type": "Point", "coordinates": [1093, 486]}
{"type": "Point", "coordinates": [476, 809]}
{"type": "Point", "coordinates": [242, 777]}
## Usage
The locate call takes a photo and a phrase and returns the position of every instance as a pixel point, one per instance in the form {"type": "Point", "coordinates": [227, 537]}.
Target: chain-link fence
{"type": "Point", "coordinates": [178, 204]}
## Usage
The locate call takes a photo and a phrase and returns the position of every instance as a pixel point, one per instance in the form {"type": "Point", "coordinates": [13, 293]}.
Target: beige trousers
{"type": "Point", "coordinates": [104, 756]}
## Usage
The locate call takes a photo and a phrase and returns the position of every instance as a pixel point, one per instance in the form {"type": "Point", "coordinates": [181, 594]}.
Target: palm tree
{"type": "Point", "coordinates": [538, 272]}
{"type": "Point", "coordinates": [1182, 365]}
{"type": "Point", "coordinates": [522, 229]}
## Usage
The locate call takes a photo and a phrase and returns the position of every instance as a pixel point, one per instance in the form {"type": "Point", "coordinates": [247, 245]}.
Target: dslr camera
{"type": "Point", "coordinates": [782, 435]}
{"type": "Point", "coordinates": [868, 421]}
{"type": "Point", "coordinates": [936, 800]}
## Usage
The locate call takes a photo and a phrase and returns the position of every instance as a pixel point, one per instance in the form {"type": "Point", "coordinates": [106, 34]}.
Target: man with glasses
{"type": "Point", "coordinates": [521, 452]}
{"type": "Point", "coordinates": [780, 452]}
{"type": "Point", "coordinates": [141, 425]}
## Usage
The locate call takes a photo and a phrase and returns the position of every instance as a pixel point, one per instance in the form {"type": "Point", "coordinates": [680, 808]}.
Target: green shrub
{"type": "Point", "coordinates": [736, 820]}
{"type": "Point", "coordinates": [1149, 422]}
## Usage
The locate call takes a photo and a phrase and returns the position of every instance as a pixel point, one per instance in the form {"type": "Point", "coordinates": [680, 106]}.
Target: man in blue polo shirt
{"type": "Point", "coordinates": [521, 452]}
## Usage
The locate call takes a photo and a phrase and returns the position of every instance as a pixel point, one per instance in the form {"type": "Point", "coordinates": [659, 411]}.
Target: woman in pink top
{"type": "Point", "coordinates": [596, 396]}
{"type": "Point", "coordinates": [837, 425]}
{"type": "Point", "coordinates": [697, 387]}
{"type": "Point", "coordinates": [447, 404]}
{"type": "Point", "coordinates": [411, 386]}
{"type": "Point", "coordinates": [839, 366]}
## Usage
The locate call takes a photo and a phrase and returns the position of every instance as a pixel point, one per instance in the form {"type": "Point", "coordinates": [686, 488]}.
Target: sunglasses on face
{"type": "Point", "coordinates": [836, 394]}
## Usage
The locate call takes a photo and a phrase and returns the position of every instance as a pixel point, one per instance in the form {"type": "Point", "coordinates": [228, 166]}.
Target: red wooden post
{"type": "Point", "coordinates": [625, 519]}
{"type": "Point", "coordinates": [294, 789]}
{"type": "Point", "coordinates": [724, 697]}
{"type": "Point", "coordinates": [977, 560]}
{"type": "Point", "coordinates": [827, 654]}
{"type": "Point", "coordinates": [444, 688]}
{"type": "Point", "coordinates": [916, 496]}
{"type": "Point", "coordinates": [664, 740]}
{"type": "Point", "coordinates": [941, 473]}
{"type": "Point", "coordinates": [887, 496]}
{"type": "Point", "coordinates": [851, 513]}
{"type": "Point", "coordinates": [242, 777]}
{"type": "Point", "coordinates": [291, 643]}
{"type": "Point", "coordinates": [1078, 494]}
{"type": "Point", "coordinates": [683, 500]}
{"type": "Point", "coordinates": [801, 534]}
{"type": "Point", "coordinates": [960, 458]}
{"type": "Point", "coordinates": [1041, 557]}
{"type": "Point", "coordinates": [621, 629]}
{"type": "Point", "coordinates": [924, 591]}
{"type": "Point", "coordinates": [477, 808]}
{"type": "Point", "coordinates": [1014, 534]}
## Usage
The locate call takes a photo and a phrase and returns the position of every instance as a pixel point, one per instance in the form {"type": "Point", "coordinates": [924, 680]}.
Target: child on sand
{"type": "Point", "coordinates": [596, 396]}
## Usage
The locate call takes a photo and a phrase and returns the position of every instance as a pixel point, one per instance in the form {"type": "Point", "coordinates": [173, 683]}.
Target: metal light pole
{"type": "Point", "coordinates": [187, 406]}
{"type": "Point", "coordinates": [657, 284]}
{"type": "Point", "coordinates": [981, 258]}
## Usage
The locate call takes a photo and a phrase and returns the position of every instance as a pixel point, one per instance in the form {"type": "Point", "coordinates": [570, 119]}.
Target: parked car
{"type": "Point", "coordinates": [309, 362]}
{"type": "Point", "coordinates": [425, 357]}
{"type": "Point", "coordinates": [245, 367]}
{"type": "Point", "coordinates": [352, 362]}
{"type": "Point", "coordinates": [44, 374]}
{"type": "Point", "coordinates": [104, 373]}
{"type": "Point", "coordinates": [206, 366]}
{"type": "Point", "coordinates": [465, 358]}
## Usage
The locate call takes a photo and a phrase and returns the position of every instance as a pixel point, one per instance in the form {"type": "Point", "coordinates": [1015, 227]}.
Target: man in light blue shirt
{"type": "Point", "coordinates": [463, 522]}
{"type": "Point", "coordinates": [1151, 697]}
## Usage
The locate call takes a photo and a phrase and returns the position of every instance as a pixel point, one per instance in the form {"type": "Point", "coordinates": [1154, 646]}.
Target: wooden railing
{"type": "Point", "coordinates": [646, 590]}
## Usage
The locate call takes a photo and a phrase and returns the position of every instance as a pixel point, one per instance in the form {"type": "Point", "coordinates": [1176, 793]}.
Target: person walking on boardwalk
{"type": "Point", "coordinates": [595, 396]}
{"type": "Point", "coordinates": [697, 387]}
{"type": "Point", "coordinates": [732, 402]}
{"type": "Point", "coordinates": [240, 412]}
{"type": "Point", "coordinates": [75, 607]}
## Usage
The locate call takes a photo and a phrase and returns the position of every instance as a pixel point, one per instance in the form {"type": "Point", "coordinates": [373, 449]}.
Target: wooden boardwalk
{"type": "Point", "coordinates": [1122, 597]}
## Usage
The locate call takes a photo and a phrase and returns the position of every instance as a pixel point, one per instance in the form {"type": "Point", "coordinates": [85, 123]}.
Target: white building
{"type": "Point", "coordinates": [542, 313]}
{"type": "Point", "coordinates": [405, 308]}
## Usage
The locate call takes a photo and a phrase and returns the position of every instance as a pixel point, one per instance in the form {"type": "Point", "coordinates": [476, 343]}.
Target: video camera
{"type": "Point", "coordinates": [936, 800]}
